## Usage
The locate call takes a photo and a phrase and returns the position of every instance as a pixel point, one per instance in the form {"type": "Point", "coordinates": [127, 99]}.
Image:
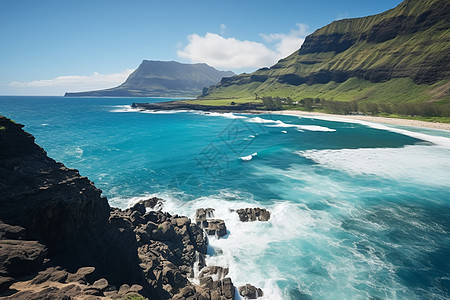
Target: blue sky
{"type": "Point", "coordinates": [48, 47]}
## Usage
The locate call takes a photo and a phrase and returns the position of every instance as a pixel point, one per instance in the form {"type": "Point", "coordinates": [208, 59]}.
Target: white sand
{"type": "Point", "coordinates": [394, 121]}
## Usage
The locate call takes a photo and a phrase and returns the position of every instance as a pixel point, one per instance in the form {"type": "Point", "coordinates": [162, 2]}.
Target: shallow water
{"type": "Point", "coordinates": [358, 211]}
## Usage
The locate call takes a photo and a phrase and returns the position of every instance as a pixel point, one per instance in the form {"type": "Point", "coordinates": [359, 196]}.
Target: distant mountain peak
{"type": "Point", "coordinates": [155, 78]}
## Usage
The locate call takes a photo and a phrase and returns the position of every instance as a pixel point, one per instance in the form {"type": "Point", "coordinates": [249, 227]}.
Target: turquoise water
{"type": "Point", "coordinates": [358, 211]}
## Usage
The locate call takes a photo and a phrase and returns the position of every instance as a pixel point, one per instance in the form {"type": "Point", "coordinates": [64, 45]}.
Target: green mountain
{"type": "Point", "coordinates": [163, 79]}
{"type": "Point", "coordinates": [401, 55]}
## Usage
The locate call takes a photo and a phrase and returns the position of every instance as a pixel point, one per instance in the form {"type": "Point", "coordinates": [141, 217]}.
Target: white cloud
{"type": "Point", "coordinates": [73, 83]}
{"type": "Point", "coordinates": [231, 53]}
{"type": "Point", "coordinates": [288, 43]}
{"type": "Point", "coordinates": [221, 52]}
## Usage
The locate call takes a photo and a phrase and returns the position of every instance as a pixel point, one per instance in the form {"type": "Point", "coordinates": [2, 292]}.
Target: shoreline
{"type": "Point", "coordinates": [242, 108]}
{"type": "Point", "coordinates": [373, 119]}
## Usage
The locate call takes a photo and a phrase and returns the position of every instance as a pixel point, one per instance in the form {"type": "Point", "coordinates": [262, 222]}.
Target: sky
{"type": "Point", "coordinates": [48, 47]}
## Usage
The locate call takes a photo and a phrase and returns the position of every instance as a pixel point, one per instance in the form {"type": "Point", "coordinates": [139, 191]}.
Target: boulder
{"type": "Point", "coordinates": [216, 227]}
{"type": "Point", "coordinates": [253, 214]}
{"type": "Point", "coordinates": [215, 272]}
{"type": "Point", "coordinates": [163, 232]}
{"type": "Point", "coordinates": [54, 274]}
{"type": "Point", "coordinates": [9, 232]}
{"type": "Point", "coordinates": [18, 258]}
{"type": "Point", "coordinates": [227, 288]}
{"type": "Point", "coordinates": [202, 214]}
{"type": "Point", "coordinates": [248, 291]}
{"type": "Point", "coordinates": [5, 283]}
{"type": "Point", "coordinates": [84, 275]}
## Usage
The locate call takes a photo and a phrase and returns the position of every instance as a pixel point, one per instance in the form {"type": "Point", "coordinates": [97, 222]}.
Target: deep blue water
{"type": "Point", "coordinates": [358, 212]}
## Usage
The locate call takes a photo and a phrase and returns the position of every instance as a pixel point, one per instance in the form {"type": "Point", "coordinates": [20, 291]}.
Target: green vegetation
{"type": "Point", "coordinates": [219, 102]}
{"type": "Point", "coordinates": [2, 128]}
{"type": "Point", "coordinates": [423, 109]}
{"type": "Point", "coordinates": [393, 63]}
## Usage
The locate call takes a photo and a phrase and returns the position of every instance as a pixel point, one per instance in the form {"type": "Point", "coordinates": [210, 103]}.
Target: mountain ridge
{"type": "Point", "coordinates": [403, 49]}
{"type": "Point", "coordinates": [162, 79]}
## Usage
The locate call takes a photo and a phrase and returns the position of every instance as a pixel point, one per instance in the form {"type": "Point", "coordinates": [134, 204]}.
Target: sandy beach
{"type": "Point", "coordinates": [393, 121]}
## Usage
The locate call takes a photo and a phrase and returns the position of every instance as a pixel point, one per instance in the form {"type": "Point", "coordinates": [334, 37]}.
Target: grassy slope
{"type": "Point", "coordinates": [404, 52]}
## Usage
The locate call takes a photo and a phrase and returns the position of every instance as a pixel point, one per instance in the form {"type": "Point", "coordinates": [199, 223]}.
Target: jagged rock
{"type": "Point", "coordinates": [54, 274]}
{"type": "Point", "coordinates": [216, 227]}
{"type": "Point", "coordinates": [253, 214]}
{"type": "Point", "coordinates": [198, 237]}
{"type": "Point", "coordinates": [250, 292]}
{"type": "Point", "coordinates": [125, 289]}
{"type": "Point", "coordinates": [202, 214]}
{"type": "Point", "coordinates": [138, 207]}
{"type": "Point", "coordinates": [215, 272]}
{"type": "Point", "coordinates": [5, 283]}
{"type": "Point", "coordinates": [163, 232]}
{"type": "Point", "coordinates": [84, 274]}
{"type": "Point", "coordinates": [218, 288]}
{"type": "Point", "coordinates": [153, 203]}
{"type": "Point", "coordinates": [9, 232]}
{"type": "Point", "coordinates": [211, 226]}
{"type": "Point", "coordinates": [92, 247]}
{"type": "Point", "coordinates": [100, 284]}
{"type": "Point", "coordinates": [18, 258]}
{"type": "Point", "coordinates": [227, 288]}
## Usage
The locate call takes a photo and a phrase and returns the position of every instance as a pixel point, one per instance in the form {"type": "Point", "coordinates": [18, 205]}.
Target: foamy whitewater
{"type": "Point", "coordinates": [358, 210]}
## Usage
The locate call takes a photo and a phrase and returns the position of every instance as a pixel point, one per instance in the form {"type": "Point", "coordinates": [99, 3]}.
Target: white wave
{"type": "Point", "coordinates": [260, 120]}
{"type": "Point", "coordinates": [421, 163]}
{"type": "Point", "coordinates": [283, 131]}
{"type": "Point", "coordinates": [440, 141]}
{"type": "Point", "coordinates": [225, 115]}
{"type": "Point", "coordinates": [123, 108]}
{"type": "Point", "coordinates": [248, 157]}
{"type": "Point", "coordinates": [302, 127]}
{"type": "Point", "coordinates": [44, 124]}
{"type": "Point", "coordinates": [159, 112]}
{"type": "Point", "coordinates": [279, 123]}
{"type": "Point", "coordinates": [128, 108]}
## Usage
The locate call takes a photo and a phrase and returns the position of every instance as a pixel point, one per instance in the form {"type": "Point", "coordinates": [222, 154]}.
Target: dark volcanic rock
{"type": "Point", "coordinates": [248, 291]}
{"type": "Point", "coordinates": [253, 214]}
{"type": "Point", "coordinates": [185, 105]}
{"type": "Point", "coordinates": [5, 283]}
{"type": "Point", "coordinates": [216, 227]}
{"type": "Point", "coordinates": [18, 258]}
{"type": "Point", "coordinates": [11, 232]}
{"type": "Point", "coordinates": [59, 239]}
{"type": "Point", "coordinates": [202, 214]}
{"type": "Point", "coordinates": [211, 226]}
{"type": "Point", "coordinates": [53, 203]}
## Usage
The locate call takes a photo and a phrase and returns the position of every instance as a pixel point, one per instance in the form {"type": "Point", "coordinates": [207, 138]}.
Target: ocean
{"type": "Point", "coordinates": [358, 210]}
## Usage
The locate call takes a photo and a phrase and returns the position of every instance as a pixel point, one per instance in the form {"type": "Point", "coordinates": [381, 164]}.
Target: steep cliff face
{"type": "Point", "coordinates": [53, 202]}
{"type": "Point", "coordinates": [59, 239]}
{"type": "Point", "coordinates": [409, 43]}
{"type": "Point", "coordinates": [163, 79]}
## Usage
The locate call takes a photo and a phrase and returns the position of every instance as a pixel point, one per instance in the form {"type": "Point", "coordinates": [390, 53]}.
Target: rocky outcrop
{"type": "Point", "coordinates": [248, 291]}
{"type": "Point", "coordinates": [253, 214]}
{"type": "Point", "coordinates": [59, 239]}
{"type": "Point", "coordinates": [185, 105]}
{"type": "Point", "coordinates": [216, 227]}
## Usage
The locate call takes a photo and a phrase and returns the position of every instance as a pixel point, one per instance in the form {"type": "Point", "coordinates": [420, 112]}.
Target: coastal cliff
{"type": "Point", "coordinates": [60, 239]}
{"type": "Point", "coordinates": [401, 54]}
{"type": "Point", "coordinates": [162, 79]}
